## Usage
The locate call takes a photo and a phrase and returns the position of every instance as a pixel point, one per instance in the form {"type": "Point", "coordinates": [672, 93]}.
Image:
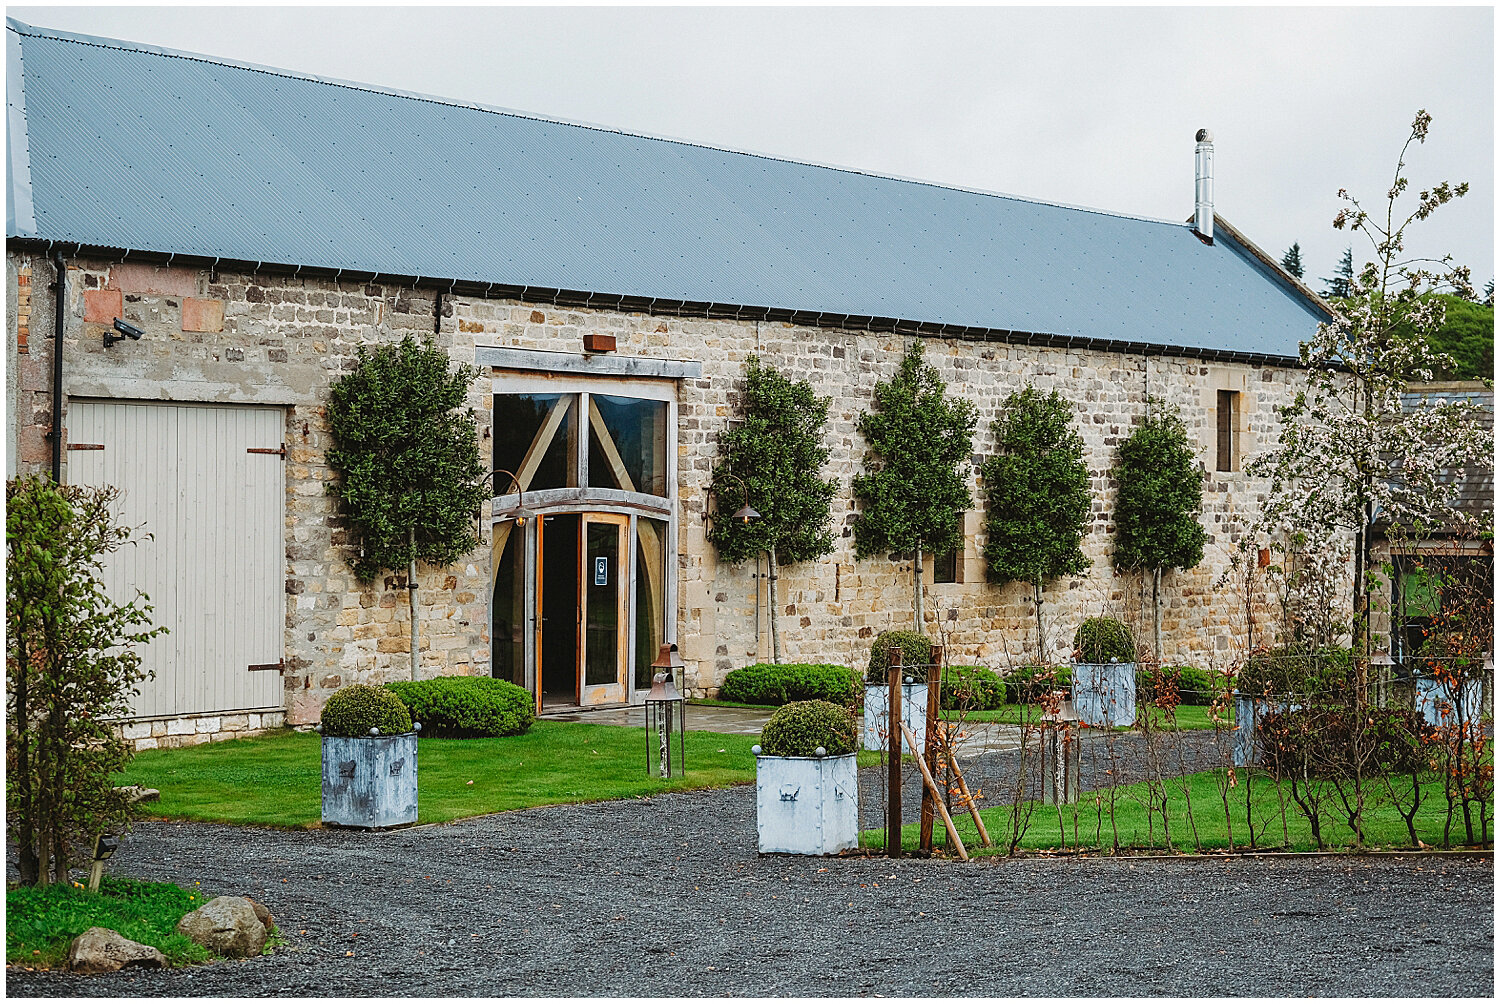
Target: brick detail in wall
{"type": "Point", "coordinates": [23, 310]}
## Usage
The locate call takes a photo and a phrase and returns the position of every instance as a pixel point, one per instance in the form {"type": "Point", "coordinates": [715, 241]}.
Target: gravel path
{"type": "Point", "coordinates": [667, 897]}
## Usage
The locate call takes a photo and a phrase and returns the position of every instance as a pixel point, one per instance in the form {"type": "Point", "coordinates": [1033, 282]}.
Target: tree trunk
{"type": "Point", "coordinates": [916, 586]}
{"type": "Point", "coordinates": [1036, 596]}
{"type": "Point", "coordinates": [1156, 614]}
{"type": "Point", "coordinates": [25, 784]}
{"type": "Point", "coordinates": [411, 592]}
{"type": "Point", "coordinates": [771, 594]}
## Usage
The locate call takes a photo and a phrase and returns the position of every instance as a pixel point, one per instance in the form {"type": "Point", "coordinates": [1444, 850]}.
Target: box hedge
{"type": "Point", "coordinates": [1307, 673]}
{"type": "Point", "coordinates": [916, 650]}
{"type": "Point", "coordinates": [356, 709]}
{"type": "Point", "coordinates": [799, 728]}
{"type": "Point", "coordinates": [1030, 684]}
{"type": "Point", "coordinates": [1103, 639]}
{"type": "Point", "coordinates": [466, 707]}
{"type": "Point", "coordinates": [971, 688]}
{"type": "Point", "coordinates": [1195, 687]}
{"type": "Point", "coordinates": [772, 683]}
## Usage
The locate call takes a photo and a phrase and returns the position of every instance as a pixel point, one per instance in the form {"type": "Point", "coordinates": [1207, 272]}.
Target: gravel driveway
{"type": "Point", "coordinates": [667, 897]}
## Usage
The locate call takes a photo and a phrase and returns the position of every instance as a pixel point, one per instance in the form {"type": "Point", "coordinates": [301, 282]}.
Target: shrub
{"type": "Point", "coordinates": [1329, 742]}
{"type": "Point", "coordinates": [1323, 673]}
{"type": "Point", "coordinates": [916, 650]}
{"type": "Point", "coordinates": [356, 709]}
{"type": "Point", "coordinates": [772, 683]}
{"type": "Point", "coordinates": [972, 688]}
{"type": "Point", "coordinates": [1101, 639]}
{"type": "Point", "coordinates": [465, 707]}
{"type": "Point", "coordinates": [799, 728]}
{"type": "Point", "coordinates": [1030, 684]}
{"type": "Point", "coordinates": [1196, 687]}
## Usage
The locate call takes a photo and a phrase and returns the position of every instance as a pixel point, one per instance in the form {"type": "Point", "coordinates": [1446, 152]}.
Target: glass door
{"type": "Point", "coordinates": [604, 641]}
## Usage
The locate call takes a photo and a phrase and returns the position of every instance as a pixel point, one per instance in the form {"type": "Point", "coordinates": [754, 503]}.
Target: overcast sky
{"type": "Point", "coordinates": [1094, 107]}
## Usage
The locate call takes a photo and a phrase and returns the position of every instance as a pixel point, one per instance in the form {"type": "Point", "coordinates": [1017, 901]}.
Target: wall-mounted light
{"type": "Point", "coordinates": [126, 330]}
{"type": "Point", "coordinates": [746, 513]}
{"type": "Point", "coordinates": [521, 514]}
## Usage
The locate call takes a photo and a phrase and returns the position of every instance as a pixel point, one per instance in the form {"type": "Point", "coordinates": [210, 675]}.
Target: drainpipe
{"type": "Point", "coordinates": [60, 299]}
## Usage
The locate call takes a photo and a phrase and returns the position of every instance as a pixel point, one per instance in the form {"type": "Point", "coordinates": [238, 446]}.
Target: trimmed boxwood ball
{"type": "Point", "coordinates": [916, 650]}
{"type": "Point", "coordinates": [1307, 673]}
{"type": "Point", "coordinates": [1102, 639]}
{"type": "Point", "coordinates": [971, 688]}
{"type": "Point", "coordinates": [467, 707]}
{"type": "Point", "coordinates": [772, 683]}
{"type": "Point", "coordinates": [356, 709]}
{"type": "Point", "coordinates": [799, 728]}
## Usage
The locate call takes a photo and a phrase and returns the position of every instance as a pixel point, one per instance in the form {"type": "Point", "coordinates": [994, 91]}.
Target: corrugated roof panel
{"type": "Point", "coordinates": [139, 148]}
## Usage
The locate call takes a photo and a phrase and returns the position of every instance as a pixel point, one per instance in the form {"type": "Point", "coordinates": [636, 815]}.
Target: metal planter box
{"type": "Point", "coordinates": [1438, 703]}
{"type": "Point", "coordinates": [913, 712]}
{"type": "Point", "coordinates": [370, 782]}
{"type": "Point", "coordinates": [806, 805]}
{"type": "Point", "coordinates": [1248, 711]}
{"type": "Point", "coordinates": [1104, 693]}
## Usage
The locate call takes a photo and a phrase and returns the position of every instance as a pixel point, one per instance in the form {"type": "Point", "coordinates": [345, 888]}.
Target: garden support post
{"type": "Point", "coordinates": [932, 787]}
{"type": "Point", "coordinates": [929, 748]}
{"type": "Point", "coordinates": [411, 592]}
{"type": "Point", "coordinates": [893, 758]}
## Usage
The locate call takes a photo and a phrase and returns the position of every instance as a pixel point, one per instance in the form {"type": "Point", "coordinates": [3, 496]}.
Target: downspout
{"type": "Point", "coordinates": [59, 299]}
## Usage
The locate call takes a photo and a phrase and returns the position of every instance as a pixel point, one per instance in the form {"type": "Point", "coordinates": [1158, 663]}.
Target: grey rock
{"type": "Point", "coordinates": [100, 950]}
{"type": "Point", "coordinates": [227, 925]}
{"type": "Point", "coordinates": [261, 913]}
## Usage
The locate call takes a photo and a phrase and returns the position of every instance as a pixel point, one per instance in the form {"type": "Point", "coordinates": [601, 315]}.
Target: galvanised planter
{"type": "Point", "coordinates": [1441, 704]}
{"type": "Point", "coordinates": [806, 805]}
{"type": "Point", "coordinates": [1104, 693]}
{"type": "Point", "coordinates": [1248, 711]}
{"type": "Point", "coordinates": [370, 782]}
{"type": "Point", "coordinates": [913, 712]}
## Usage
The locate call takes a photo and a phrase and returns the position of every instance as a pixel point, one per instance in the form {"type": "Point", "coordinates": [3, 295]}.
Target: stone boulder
{"type": "Point", "coordinates": [261, 913]}
{"type": "Point", "coordinates": [226, 925]}
{"type": "Point", "coordinates": [100, 950]}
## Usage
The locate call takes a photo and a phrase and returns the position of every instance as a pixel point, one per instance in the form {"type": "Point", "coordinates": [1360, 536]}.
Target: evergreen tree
{"type": "Point", "coordinates": [1341, 284]}
{"type": "Point", "coordinates": [1292, 260]}
{"type": "Point", "coordinates": [407, 459]}
{"type": "Point", "coordinates": [1489, 294]}
{"type": "Point", "coordinates": [1037, 496]}
{"type": "Point", "coordinates": [1158, 503]}
{"type": "Point", "coordinates": [773, 461]}
{"type": "Point", "coordinates": [913, 490]}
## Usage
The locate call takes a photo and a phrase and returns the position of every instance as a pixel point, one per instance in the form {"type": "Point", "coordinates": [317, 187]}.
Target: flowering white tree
{"type": "Point", "coordinates": [1349, 456]}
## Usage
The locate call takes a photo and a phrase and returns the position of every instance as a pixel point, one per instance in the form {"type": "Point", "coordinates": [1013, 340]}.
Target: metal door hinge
{"type": "Point", "coordinates": [266, 667]}
{"type": "Point", "coordinates": [279, 451]}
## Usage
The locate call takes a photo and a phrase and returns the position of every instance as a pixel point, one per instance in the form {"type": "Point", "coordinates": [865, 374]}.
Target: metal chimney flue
{"type": "Point", "coordinates": [1203, 188]}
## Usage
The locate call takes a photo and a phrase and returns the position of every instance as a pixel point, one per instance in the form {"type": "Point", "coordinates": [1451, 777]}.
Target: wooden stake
{"type": "Point", "coordinates": [893, 754]}
{"type": "Point", "coordinates": [937, 798]}
{"type": "Point", "coordinates": [963, 788]}
{"type": "Point", "coordinates": [934, 685]}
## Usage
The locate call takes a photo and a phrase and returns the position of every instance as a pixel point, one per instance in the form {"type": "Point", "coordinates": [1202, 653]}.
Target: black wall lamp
{"type": "Point", "coordinates": [745, 514]}
{"type": "Point", "coordinates": [126, 330]}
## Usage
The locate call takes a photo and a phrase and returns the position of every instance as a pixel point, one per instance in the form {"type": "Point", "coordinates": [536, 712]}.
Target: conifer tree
{"type": "Point", "coordinates": [1341, 283]}
{"type": "Point", "coordinates": [913, 491]}
{"type": "Point", "coordinates": [1037, 496]}
{"type": "Point", "coordinates": [773, 461]}
{"type": "Point", "coordinates": [1292, 260]}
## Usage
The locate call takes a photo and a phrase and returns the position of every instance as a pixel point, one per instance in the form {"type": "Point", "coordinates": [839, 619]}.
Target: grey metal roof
{"type": "Point", "coordinates": [120, 145]}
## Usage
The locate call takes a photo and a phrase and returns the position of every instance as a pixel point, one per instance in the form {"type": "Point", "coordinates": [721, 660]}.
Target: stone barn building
{"type": "Point", "coordinates": [196, 248]}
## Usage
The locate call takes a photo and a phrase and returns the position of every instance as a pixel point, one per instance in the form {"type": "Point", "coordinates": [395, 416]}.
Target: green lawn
{"type": "Point", "coordinates": [1185, 716]}
{"type": "Point", "coordinates": [1088, 824]}
{"type": "Point", "coordinates": [41, 921]}
{"type": "Point", "coordinates": [276, 780]}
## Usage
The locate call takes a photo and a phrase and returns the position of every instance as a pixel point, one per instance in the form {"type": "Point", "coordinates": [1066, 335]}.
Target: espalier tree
{"type": "Point", "coordinates": [407, 458]}
{"type": "Point", "coordinates": [1348, 454]}
{"type": "Point", "coordinates": [777, 452]}
{"type": "Point", "coordinates": [913, 490]}
{"type": "Point", "coordinates": [1037, 496]}
{"type": "Point", "coordinates": [1158, 504]}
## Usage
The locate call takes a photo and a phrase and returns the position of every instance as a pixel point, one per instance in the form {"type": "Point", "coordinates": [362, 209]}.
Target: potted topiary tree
{"type": "Point", "coordinates": [369, 759]}
{"type": "Point", "coordinates": [916, 653]}
{"type": "Point", "coordinates": [1104, 674]}
{"type": "Point", "coordinates": [806, 780]}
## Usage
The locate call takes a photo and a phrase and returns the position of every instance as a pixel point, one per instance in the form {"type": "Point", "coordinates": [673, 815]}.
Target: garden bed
{"type": "Point", "coordinates": [42, 921]}
{"type": "Point", "coordinates": [276, 780]}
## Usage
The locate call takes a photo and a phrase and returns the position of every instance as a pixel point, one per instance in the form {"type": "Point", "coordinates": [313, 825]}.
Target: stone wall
{"type": "Point", "coordinates": [282, 340]}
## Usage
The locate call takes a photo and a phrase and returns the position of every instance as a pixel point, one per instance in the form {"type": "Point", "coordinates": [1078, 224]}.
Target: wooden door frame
{"type": "Point", "coordinates": [619, 692]}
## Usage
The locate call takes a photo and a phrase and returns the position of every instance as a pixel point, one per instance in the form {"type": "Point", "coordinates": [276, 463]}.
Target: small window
{"type": "Point", "coordinates": [948, 567]}
{"type": "Point", "coordinates": [1228, 423]}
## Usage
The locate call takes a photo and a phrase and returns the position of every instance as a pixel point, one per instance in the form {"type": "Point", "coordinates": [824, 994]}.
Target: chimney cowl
{"type": "Point", "coordinates": [1203, 186]}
